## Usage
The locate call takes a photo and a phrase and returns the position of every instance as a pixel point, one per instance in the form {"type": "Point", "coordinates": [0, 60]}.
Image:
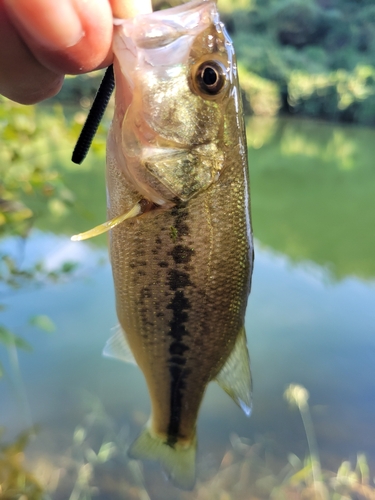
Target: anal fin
{"type": "Point", "coordinates": [235, 376]}
{"type": "Point", "coordinates": [118, 348]}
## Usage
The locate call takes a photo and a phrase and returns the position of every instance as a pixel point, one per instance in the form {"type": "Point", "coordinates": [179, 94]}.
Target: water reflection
{"type": "Point", "coordinates": [302, 327]}
{"type": "Point", "coordinates": [310, 321]}
{"type": "Point", "coordinates": [313, 193]}
{"type": "Point", "coordinates": [312, 188]}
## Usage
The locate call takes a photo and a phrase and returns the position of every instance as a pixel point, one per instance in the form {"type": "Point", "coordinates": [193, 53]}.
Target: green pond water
{"type": "Point", "coordinates": [310, 321]}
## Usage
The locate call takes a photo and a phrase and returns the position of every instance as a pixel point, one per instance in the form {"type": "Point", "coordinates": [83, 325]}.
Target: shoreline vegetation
{"type": "Point", "coordinates": [311, 58]}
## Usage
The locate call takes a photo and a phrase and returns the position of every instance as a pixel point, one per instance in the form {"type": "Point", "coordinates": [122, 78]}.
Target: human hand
{"type": "Point", "coordinates": [43, 40]}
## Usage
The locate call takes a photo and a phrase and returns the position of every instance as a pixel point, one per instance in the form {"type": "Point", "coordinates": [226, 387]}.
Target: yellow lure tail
{"type": "Point", "coordinates": [110, 224]}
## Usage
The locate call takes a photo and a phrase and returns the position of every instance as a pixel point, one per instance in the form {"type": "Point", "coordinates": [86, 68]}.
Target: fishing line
{"type": "Point", "coordinates": [94, 117]}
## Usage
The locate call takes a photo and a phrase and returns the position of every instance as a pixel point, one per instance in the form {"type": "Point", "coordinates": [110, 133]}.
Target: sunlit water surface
{"type": "Point", "coordinates": [310, 321]}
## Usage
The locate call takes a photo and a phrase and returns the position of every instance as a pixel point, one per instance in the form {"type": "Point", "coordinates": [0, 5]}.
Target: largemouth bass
{"type": "Point", "coordinates": [177, 180]}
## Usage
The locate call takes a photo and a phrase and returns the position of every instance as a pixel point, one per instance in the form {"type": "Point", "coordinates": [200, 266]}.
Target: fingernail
{"type": "Point", "coordinates": [53, 24]}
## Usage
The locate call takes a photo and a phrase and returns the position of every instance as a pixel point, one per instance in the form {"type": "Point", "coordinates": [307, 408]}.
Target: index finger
{"type": "Point", "coordinates": [68, 36]}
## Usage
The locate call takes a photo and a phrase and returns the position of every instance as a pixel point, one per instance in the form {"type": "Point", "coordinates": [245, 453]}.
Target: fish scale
{"type": "Point", "coordinates": [182, 268]}
{"type": "Point", "coordinates": [216, 299]}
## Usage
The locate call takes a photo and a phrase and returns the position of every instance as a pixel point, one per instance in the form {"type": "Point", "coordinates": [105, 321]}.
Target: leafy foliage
{"type": "Point", "coordinates": [341, 95]}
{"type": "Point", "coordinates": [15, 480]}
{"type": "Point", "coordinates": [328, 45]}
{"type": "Point", "coordinates": [26, 173]}
{"type": "Point", "coordinates": [30, 186]}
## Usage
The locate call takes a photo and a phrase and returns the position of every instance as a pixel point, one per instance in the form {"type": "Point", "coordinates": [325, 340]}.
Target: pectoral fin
{"type": "Point", "coordinates": [235, 376]}
{"type": "Point", "coordinates": [117, 347]}
{"type": "Point", "coordinates": [106, 226]}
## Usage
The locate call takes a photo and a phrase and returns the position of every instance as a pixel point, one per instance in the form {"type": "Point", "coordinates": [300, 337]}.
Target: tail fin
{"type": "Point", "coordinates": [178, 460]}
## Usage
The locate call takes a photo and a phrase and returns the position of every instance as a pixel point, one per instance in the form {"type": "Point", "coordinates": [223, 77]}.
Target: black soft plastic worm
{"type": "Point", "coordinates": [94, 117]}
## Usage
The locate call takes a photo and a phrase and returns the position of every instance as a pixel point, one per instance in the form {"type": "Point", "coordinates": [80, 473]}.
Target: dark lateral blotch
{"type": "Point", "coordinates": [182, 254]}
{"type": "Point", "coordinates": [178, 348]}
{"type": "Point", "coordinates": [177, 331]}
{"type": "Point", "coordinates": [178, 360]}
{"type": "Point", "coordinates": [179, 302]}
{"type": "Point", "coordinates": [178, 279]}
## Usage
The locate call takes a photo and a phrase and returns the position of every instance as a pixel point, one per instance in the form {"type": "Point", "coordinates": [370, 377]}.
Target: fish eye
{"type": "Point", "coordinates": [211, 77]}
